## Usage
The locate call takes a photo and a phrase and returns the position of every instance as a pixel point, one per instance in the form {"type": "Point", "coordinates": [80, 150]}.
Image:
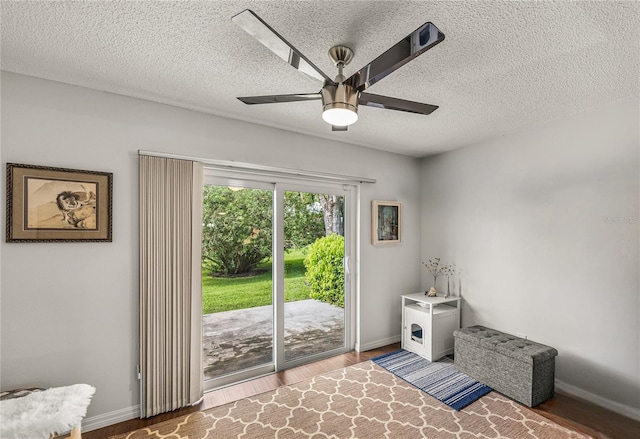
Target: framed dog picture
{"type": "Point", "coordinates": [386, 222]}
{"type": "Point", "coordinates": [57, 204]}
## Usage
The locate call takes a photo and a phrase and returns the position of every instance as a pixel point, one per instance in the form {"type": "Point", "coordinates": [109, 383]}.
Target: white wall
{"type": "Point", "coordinates": [70, 310]}
{"type": "Point", "coordinates": [544, 228]}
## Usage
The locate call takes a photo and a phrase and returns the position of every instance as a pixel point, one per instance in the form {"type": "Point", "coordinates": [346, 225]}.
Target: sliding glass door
{"type": "Point", "coordinates": [276, 285]}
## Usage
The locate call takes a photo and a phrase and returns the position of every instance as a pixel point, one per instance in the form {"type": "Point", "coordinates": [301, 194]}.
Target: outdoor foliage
{"type": "Point", "coordinates": [237, 225]}
{"type": "Point", "coordinates": [236, 233]}
{"type": "Point", "coordinates": [303, 219]}
{"type": "Point", "coordinates": [325, 269]}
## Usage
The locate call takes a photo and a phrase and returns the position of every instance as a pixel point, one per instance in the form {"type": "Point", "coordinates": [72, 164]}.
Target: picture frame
{"type": "Point", "coordinates": [46, 204]}
{"type": "Point", "coordinates": [386, 222]}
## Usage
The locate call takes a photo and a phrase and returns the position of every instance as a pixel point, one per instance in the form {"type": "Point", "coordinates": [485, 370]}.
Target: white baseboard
{"type": "Point", "coordinates": [622, 409]}
{"type": "Point", "coordinates": [107, 419]}
{"type": "Point", "coordinates": [377, 343]}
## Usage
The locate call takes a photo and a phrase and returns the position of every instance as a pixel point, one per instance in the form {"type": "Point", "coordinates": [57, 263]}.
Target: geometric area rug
{"type": "Point", "coordinates": [359, 401]}
{"type": "Point", "coordinates": [439, 379]}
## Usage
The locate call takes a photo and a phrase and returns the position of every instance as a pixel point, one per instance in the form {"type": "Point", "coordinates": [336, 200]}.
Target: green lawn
{"type": "Point", "coordinates": [226, 294]}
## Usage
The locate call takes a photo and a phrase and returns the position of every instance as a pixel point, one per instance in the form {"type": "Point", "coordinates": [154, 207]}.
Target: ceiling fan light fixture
{"type": "Point", "coordinates": [339, 116]}
{"type": "Point", "coordinates": [339, 105]}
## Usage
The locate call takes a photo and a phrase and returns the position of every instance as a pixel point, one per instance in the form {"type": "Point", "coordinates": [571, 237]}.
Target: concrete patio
{"type": "Point", "coordinates": [235, 340]}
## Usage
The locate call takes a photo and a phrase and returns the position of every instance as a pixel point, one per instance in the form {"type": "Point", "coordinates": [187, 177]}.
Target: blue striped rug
{"type": "Point", "coordinates": [440, 380]}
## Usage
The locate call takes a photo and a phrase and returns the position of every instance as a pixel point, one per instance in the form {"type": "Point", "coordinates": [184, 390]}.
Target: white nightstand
{"type": "Point", "coordinates": [428, 324]}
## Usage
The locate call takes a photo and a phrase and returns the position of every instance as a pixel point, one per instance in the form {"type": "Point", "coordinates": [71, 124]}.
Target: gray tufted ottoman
{"type": "Point", "coordinates": [520, 369]}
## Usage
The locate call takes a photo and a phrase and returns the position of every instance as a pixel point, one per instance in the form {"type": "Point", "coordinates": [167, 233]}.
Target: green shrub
{"type": "Point", "coordinates": [236, 232]}
{"type": "Point", "coordinates": [325, 270]}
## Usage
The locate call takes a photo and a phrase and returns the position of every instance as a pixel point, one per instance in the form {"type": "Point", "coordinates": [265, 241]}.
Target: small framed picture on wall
{"type": "Point", "coordinates": [46, 204]}
{"type": "Point", "coordinates": [386, 222]}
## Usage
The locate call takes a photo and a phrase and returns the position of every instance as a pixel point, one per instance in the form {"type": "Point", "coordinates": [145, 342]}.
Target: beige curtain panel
{"type": "Point", "coordinates": [170, 284]}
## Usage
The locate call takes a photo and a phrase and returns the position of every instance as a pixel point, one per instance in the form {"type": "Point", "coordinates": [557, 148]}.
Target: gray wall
{"type": "Point", "coordinates": [70, 310]}
{"type": "Point", "coordinates": [543, 226]}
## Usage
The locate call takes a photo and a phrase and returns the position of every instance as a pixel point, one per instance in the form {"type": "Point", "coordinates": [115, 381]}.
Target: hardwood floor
{"type": "Point", "coordinates": [563, 409]}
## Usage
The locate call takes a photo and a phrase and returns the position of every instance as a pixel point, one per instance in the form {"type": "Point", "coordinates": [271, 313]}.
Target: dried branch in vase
{"type": "Point", "coordinates": [433, 266]}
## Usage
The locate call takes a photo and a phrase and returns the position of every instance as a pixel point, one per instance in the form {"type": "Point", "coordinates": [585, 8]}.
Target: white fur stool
{"type": "Point", "coordinates": [46, 413]}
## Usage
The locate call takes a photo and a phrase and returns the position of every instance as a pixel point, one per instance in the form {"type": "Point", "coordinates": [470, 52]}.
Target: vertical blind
{"type": "Point", "coordinates": [170, 284]}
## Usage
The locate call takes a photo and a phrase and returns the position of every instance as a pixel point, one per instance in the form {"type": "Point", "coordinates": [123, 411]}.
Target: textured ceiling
{"type": "Point", "coordinates": [503, 65]}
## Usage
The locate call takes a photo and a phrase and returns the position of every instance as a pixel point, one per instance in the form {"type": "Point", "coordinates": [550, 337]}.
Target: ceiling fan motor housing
{"type": "Point", "coordinates": [339, 96]}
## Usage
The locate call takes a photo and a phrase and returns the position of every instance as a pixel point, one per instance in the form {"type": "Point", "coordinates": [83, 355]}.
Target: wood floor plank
{"type": "Point", "coordinates": [563, 409]}
{"type": "Point", "coordinates": [591, 419]}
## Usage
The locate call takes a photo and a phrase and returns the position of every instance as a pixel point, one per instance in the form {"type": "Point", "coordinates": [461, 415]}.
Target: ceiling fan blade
{"type": "Point", "coordinates": [395, 104]}
{"type": "Point", "coordinates": [273, 41]}
{"type": "Point", "coordinates": [274, 99]}
{"type": "Point", "coordinates": [410, 47]}
{"type": "Point", "coordinates": [337, 128]}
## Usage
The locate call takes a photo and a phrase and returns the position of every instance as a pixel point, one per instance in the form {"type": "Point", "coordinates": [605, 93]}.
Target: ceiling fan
{"type": "Point", "coordinates": [341, 96]}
